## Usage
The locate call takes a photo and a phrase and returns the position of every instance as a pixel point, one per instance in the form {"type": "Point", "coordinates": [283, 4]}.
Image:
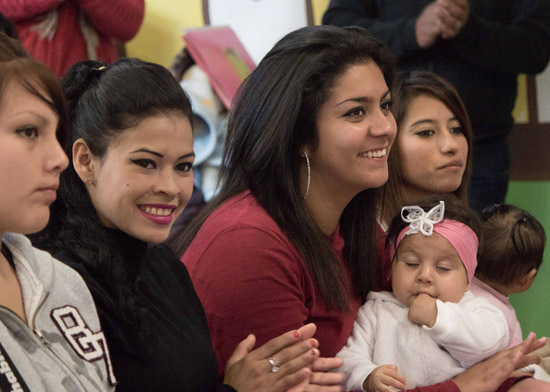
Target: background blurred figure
{"type": "Point", "coordinates": [480, 47]}
{"type": "Point", "coordinates": [61, 33]}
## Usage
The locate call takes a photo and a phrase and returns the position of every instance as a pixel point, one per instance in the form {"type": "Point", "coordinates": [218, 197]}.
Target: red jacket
{"type": "Point", "coordinates": [65, 43]}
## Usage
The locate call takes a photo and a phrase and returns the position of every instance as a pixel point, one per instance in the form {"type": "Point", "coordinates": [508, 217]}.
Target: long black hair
{"type": "Point", "coordinates": [103, 102]}
{"type": "Point", "coordinates": [273, 117]}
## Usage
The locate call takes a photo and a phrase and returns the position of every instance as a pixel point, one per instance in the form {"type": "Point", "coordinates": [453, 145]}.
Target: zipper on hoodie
{"type": "Point", "coordinates": [47, 345]}
{"type": "Point", "coordinates": [41, 337]}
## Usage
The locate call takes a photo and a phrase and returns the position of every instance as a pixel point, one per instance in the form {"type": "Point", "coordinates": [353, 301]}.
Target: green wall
{"type": "Point", "coordinates": [532, 310]}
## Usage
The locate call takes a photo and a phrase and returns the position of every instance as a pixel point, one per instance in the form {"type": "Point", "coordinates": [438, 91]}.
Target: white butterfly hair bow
{"type": "Point", "coordinates": [421, 221]}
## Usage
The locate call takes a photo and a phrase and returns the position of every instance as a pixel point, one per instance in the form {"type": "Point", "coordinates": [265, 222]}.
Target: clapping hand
{"type": "Point", "coordinates": [289, 362]}
{"type": "Point", "coordinates": [487, 375]}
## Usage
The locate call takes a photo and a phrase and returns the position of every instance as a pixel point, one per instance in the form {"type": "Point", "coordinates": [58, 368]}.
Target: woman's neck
{"type": "Point", "coordinates": [6, 269]}
{"type": "Point", "coordinates": [326, 212]}
{"type": "Point", "coordinates": [413, 196]}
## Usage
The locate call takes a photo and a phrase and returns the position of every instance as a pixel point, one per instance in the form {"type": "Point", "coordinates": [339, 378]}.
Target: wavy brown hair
{"type": "Point", "coordinates": [409, 85]}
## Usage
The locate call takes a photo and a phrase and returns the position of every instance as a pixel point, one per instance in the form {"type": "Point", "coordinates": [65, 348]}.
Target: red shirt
{"type": "Point", "coordinates": [251, 279]}
{"type": "Point", "coordinates": [385, 259]}
{"type": "Point", "coordinates": [112, 20]}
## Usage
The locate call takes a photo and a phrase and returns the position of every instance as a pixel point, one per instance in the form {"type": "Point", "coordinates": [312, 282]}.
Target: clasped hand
{"type": "Point", "coordinates": [441, 18]}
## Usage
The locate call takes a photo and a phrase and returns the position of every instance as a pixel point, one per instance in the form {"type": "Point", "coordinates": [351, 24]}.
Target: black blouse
{"type": "Point", "coordinates": [177, 354]}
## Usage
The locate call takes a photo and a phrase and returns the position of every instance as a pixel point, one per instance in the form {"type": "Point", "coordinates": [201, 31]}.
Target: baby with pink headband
{"type": "Point", "coordinates": [431, 328]}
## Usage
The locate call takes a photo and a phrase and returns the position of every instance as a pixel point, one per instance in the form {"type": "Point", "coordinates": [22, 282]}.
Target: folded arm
{"type": "Point", "coordinates": [25, 9]}
{"type": "Point", "coordinates": [120, 19]}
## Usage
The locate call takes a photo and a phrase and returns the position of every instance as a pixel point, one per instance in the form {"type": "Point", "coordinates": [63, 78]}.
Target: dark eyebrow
{"type": "Point", "coordinates": [362, 99]}
{"type": "Point", "coordinates": [149, 152]}
{"type": "Point", "coordinates": [40, 117]}
{"type": "Point", "coordinates": [430, 121]}
{"type": "Point", "coordinates": [419, 122]}
{"type": "Point", "coordinates": [191, 154]}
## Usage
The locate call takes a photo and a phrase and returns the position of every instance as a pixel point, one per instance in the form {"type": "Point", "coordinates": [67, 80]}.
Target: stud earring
{"type": "Point", "coordinates": [89, 181]}
{"type": "Point", "coordinates": [308, 174]}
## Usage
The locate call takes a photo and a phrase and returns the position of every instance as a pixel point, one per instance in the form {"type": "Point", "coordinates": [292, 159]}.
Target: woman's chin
{"type": "Point", "coordinates": [152, 236]}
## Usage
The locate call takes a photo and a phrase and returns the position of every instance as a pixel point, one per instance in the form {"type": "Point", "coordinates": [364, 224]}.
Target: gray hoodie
{"type": "Point", "coordinates": [61, 347]}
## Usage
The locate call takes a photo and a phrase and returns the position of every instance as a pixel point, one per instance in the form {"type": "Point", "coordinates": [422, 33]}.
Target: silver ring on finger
{"type": "Point", "coordinates": [275, 364]}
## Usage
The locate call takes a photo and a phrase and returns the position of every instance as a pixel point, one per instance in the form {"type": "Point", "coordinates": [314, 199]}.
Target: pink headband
{"type": "Point", "coordinates": [461, 237]}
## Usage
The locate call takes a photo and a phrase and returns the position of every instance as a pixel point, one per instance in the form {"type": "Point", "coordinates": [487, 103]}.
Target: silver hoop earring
{"type": "Point", "coordinates": [308, 174]}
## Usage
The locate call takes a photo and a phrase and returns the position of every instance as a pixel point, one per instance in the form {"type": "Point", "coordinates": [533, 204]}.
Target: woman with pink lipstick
{"type": "Point", "coordinates": [130, 178]}
{"type": "Point", "coordinates": [50, 337]}
{"type": "Point", "coordinates": [307, 146]}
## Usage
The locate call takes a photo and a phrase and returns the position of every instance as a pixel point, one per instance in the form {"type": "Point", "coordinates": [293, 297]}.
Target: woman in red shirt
{"type": "Point", "coordinates": [283, 243]}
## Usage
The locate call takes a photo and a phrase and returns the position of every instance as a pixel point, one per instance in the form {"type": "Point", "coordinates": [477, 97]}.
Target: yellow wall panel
{"type": "Point", "coordinates": [159, 38]}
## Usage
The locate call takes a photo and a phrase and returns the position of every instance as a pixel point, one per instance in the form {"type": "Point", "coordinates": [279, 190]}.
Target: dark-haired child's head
{"type": "Point", "coordinates": [513, 248]}
{"type": "Point", "coordinates": [436, 248]}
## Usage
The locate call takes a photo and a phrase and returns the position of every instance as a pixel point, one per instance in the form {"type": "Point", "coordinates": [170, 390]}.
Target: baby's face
{"type": "Point", "coordinates": [428, 265]}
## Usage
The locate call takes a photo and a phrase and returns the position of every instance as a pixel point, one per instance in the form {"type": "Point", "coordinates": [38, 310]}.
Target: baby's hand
{"type": "Point", "coordinates": [423, 310]}
{"type": "Point", "coordinates": [383, 378]}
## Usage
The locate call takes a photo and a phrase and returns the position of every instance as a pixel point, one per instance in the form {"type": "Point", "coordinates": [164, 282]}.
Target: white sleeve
{"type": "Point", "coordinates": [470, 330]}
{"type": "Point", "coordinates": [358, 351]}
{"type": "Point", "coordinates": [538, 372]}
